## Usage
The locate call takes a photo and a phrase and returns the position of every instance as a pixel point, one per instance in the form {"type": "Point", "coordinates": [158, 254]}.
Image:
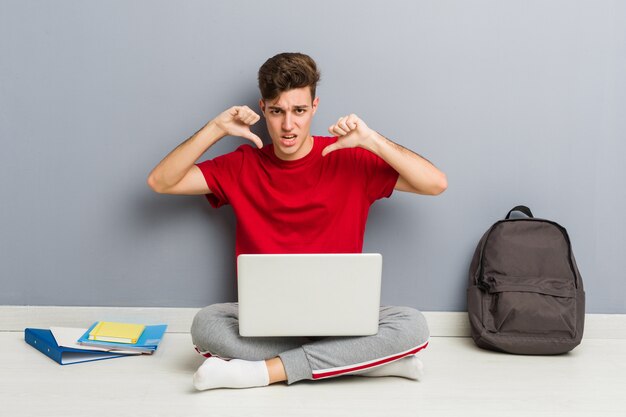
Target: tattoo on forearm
{"type": "Point", "coordinates": [188, 139]}
{"type": "Point", "coordinates": [403, 149]}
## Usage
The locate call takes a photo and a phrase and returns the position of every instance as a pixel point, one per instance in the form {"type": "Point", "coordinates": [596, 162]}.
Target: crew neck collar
{"type": "Point", "coordinates": [313, 153]}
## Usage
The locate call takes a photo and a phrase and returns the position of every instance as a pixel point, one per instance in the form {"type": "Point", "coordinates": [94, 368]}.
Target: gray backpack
{"type": "Point", "coordinates": [525, 293]}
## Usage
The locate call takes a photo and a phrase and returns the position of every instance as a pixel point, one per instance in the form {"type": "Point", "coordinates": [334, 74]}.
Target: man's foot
{"type": "Point", "coordinates": [236, 373]}
{"type": "Point", "coordinates": [408, 367]}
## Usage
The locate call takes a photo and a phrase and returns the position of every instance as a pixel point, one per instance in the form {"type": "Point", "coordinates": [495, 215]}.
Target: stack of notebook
{"type": "Point", "coordinates": [103, 340]}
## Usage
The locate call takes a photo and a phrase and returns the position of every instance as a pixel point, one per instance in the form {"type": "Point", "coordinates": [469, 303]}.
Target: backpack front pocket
{"type": "Point", "coordinates": [530, 306]}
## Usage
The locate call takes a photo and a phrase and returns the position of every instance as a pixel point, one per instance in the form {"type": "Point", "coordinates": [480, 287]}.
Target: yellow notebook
{"type": "Point", "coordinates": [107, 331]}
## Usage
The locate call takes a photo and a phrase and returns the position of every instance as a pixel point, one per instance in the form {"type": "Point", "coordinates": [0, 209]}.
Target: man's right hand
{"type": "Point", "coordinates": [176, 173]}
{"type": "Point", "coordinates": [236, 121]}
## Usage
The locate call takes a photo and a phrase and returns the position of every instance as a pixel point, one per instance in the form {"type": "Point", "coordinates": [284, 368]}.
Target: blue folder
{"type": "Point", "coordinates": [43, 340]}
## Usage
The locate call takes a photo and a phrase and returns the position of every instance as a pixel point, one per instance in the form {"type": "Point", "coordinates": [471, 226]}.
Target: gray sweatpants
{"type": "Point", "coordinates": [402, 331]}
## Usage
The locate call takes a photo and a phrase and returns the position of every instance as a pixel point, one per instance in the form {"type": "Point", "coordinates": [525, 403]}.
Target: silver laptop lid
{"type": "Point", "coordinates": [309, 294]}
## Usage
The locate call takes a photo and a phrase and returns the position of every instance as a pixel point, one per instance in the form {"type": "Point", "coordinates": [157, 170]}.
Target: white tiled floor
{"type": "Point", "coordinates": [459, 380]}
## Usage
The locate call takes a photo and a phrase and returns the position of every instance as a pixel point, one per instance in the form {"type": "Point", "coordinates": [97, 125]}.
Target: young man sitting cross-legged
{"type": "Point", "coordinates": [299, 194]}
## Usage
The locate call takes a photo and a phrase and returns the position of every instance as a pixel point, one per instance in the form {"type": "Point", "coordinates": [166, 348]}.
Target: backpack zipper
{"type": "Point", "coordinates": [486, 286]}
{"type": "Point", "coordinates": [495, 297]}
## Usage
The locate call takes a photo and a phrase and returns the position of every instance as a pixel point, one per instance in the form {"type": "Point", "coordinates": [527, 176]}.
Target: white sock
{"type": "Point", "coordinates": [408, 367]}
{"type": "Point", "coordinates": [236, 373]}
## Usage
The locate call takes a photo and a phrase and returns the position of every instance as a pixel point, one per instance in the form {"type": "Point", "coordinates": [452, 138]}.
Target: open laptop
{"type": "Point", "coordinates": [309, 294]}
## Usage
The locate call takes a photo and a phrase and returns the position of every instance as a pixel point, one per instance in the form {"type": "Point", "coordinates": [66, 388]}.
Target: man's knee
{"type": "Point", "coordinates": [210, 325]}
{"type": "Point", "coordinates": [421, 333]}
{"type": "Point", "coordinates": [409, 325]}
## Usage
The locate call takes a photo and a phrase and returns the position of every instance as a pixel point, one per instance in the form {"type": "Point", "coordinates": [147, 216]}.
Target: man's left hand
{"type": "Point", "coordinates": [352, 133]}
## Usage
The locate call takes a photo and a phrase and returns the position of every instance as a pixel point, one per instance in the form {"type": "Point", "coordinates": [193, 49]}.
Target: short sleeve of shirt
{"type": "Point", "coordinates": [221, 175]}
{"type": "Point", "coordinates": [381, 178]}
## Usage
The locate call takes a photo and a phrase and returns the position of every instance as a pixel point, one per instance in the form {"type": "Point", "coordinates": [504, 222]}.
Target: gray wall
{"type": "Point", "coordinates": [517, 101]}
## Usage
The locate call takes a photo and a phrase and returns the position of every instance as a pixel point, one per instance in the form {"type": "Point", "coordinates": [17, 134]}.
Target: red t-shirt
{"type": "Point", "coordinates": [315, 204]}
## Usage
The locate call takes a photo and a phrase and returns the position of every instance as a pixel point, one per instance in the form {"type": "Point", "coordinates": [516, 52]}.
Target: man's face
{"type": "Point", "coordinates": [289, 119]}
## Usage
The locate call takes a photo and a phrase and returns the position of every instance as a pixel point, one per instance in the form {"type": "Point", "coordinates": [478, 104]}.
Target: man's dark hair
{"type": "Point", "coordinates": [287, 71]}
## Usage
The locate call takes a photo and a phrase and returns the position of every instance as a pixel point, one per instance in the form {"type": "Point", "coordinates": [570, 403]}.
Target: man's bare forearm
{"type": "Point", "coordinates": [417, 174]}
{"type": "Point", "coordinates": [415, 171]}
{"type": "Point", "coordinates": [178, 162]}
